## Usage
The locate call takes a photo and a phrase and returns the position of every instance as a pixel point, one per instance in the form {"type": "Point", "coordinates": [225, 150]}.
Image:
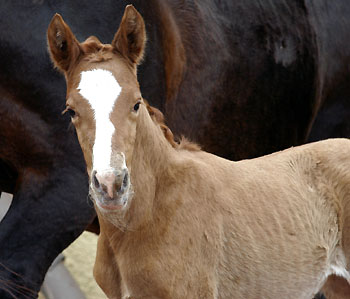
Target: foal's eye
{"type": "Point", "coordinates": [71, 112]}
{"type": "Point", "coordinates": [137, 106]}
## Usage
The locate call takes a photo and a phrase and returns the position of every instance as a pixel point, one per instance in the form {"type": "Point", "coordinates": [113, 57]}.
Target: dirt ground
{"type": "Point", "coordinates": [79, 259]}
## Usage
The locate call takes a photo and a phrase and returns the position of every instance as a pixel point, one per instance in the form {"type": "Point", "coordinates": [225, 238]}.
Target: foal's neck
{"type": "Point", "coordinates": [152, 151]}
{"type": "Point", "coordinates": [151, 164]}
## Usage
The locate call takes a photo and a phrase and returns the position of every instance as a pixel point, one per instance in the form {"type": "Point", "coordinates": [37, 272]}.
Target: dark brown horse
{"type": "Point", "coordinates": [254, 73]}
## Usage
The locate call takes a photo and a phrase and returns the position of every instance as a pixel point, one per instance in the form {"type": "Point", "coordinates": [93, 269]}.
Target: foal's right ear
{"type": "Point", "coordinates": [63, 46]}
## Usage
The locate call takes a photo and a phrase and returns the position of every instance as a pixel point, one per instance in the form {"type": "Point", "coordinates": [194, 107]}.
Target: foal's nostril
{"type": "Point", "coordinates": [95, 180]}
{"type": "Point", "coordinates": [110, 183]}
{"type": "Point", "coordinates": [122, 181]}
{"type": "Point", "coordinates": [125, 180]}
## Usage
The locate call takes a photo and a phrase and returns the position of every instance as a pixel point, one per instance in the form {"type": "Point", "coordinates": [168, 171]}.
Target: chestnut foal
{"type": "Point", "coordinates": [177, 222]}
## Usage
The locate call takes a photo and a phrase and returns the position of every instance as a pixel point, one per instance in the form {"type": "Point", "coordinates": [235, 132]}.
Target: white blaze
{"type": "Point", "coordinates": [101, 90]}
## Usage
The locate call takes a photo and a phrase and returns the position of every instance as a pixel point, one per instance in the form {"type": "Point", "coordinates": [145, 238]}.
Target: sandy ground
{"type": "Point", "coordinates": [79, 259]}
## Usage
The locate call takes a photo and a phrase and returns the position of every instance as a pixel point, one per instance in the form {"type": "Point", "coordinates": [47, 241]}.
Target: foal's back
{"type": "Point", "coordinates": [277, 221]}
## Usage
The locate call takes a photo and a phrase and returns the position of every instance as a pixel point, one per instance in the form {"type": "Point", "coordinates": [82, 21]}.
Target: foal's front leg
{"type": "Point", "coordinates": [106, 271]}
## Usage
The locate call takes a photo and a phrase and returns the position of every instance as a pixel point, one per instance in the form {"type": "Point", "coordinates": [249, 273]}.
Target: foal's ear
{"type": "Point", "coordinates": [131, 36]}
{"type": "Point", "coordinates": [63, 46]}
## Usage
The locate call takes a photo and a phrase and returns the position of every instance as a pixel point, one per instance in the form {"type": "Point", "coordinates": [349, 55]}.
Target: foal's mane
{"type": "Point", "coordinates": [158, 118]}
{"type": "Point", "coordinates": [95, 51]}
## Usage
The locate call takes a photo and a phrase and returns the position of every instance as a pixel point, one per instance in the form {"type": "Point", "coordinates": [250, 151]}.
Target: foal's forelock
{"type": "Point", "coordinates": [101, 90]}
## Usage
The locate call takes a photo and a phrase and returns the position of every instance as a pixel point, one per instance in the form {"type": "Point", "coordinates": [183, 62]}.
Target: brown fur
{"type": "Point", "coordinates": [336, 288]}
{"type": "Point", "coordinates": [199, 226]}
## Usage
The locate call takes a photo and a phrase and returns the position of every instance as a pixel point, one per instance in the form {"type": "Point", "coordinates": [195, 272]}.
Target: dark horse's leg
{"type": "Point", "coordinates": [7, 178]}
{"type": "Point", "coordinates": [45, 171]}
{"type": "Point", "coordinates": [46, 215]}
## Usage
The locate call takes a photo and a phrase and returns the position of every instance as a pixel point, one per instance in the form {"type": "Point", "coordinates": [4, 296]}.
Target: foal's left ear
{"type": "Point", "coordinates": [63, 46]}
{"type": "Point", "coordinates": [130, 38]}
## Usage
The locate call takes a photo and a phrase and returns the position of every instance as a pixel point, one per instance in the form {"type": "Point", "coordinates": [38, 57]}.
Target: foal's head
{"type": "Point", "coordinates": [102, 90]}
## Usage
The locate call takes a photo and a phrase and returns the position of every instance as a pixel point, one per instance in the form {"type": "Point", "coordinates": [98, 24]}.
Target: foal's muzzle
{"type": "Point", "coordinates": [110, 188]}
